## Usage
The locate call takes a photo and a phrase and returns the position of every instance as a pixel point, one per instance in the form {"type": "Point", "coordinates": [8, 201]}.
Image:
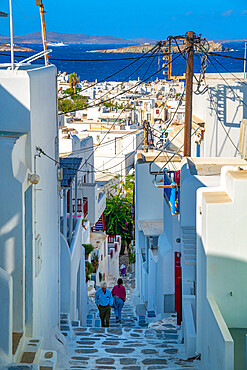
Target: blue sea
{"type": "Point", "coordinates": [101, 65]}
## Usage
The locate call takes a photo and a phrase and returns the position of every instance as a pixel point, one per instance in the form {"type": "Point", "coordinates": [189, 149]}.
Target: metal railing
{"type": "Point", "coordinates": [85, 206]}
{"type": "Point", "coordinates": [172, 192]}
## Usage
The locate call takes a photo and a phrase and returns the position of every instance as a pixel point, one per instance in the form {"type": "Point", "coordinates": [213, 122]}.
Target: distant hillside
{"type": "Point", "coordinates": [4, 47]}
{"type": "Point", "coordinates": [35, 38]}
{"type": "Point", "coordinates": [214, 46]}
{"type": "Point", "coordinates": [230, 40]}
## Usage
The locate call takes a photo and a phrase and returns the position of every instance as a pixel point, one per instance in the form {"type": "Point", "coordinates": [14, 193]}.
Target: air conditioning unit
{"type": "Point", "coordinates": [243, 139]}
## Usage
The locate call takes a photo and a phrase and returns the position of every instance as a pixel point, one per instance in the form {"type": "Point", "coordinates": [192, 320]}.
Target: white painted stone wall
{"type": "Point", "coordinates": [28, 105]}
{"type": "Point", "coordinates": [6, 318]}
{"type": "Point", "coordinates": [148, 206]}
{"type": "Point", "coordinates": [221, 268]}
{"type": "Point", "coordinates": [167, 246]}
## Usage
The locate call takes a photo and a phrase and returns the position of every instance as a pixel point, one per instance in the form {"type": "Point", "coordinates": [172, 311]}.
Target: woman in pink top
{"type": "Point", "coordinates": [119, 297]}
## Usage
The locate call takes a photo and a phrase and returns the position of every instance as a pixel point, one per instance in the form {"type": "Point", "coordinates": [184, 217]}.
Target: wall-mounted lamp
{"type": "Point", "coordinates": [33, 178]}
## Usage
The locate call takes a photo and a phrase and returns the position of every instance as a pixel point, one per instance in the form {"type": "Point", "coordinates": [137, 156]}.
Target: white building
{"type": "Point", "coordinates": [29, 228]}
{"type": "Point", "coordinates": [203, 235]}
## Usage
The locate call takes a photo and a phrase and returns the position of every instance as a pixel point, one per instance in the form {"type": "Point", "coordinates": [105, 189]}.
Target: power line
{"type": "Point", "coordinates": [236, 95]}
{"type": "Point", "coordinates": [227, 56]}
{"type": "Point", "coordinates": [222, 65]}
{"type": "Point", "coordinates": [104, 136]}
{"type": "Point", "coordinates": [131, 88]}
{"type": "Point", "coordinates": [108, 92]}
{"type": "Point", "coordinates": [94, 171]}
{"type": "Point", "coordinates": [95, 145]}
{"type": "Point", "coordinates": [103, 80]}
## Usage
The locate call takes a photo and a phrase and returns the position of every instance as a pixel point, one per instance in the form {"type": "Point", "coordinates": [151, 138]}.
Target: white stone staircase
{"type": "Point", "coordinates": [31, 355]}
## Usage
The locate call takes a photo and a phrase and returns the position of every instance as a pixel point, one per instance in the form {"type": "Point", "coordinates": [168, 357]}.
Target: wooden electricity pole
{"type": "Point", "coordinates": [190, 36]}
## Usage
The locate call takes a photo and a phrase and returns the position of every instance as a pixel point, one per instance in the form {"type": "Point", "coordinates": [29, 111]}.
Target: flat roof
{"type": "Point", "coordinates": [151, 155]}
{"type": "Point", "coordinates": [11, 134]}
{"type": "Point", "coordinates": [151, 227]}
{"type": "Point", "coordinates": [203, 166]}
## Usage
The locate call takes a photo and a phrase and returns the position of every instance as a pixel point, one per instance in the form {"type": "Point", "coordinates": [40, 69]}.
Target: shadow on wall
{"type": "Point", "coordinates": [219, 98]}
{"type": "Point", "coordinates": [15, 116]}
{"type": "Point", "coordinates": [226, 282]}
{"type": "Point", "coordinates": [14, 119]}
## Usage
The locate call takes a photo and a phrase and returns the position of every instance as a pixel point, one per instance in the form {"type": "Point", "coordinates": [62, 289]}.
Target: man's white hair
{"type": "Point", "coordinates": [103, 285]}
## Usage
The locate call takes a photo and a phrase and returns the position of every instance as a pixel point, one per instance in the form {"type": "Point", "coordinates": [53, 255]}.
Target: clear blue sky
{"type": "Point", "coordinates": [131, 18]}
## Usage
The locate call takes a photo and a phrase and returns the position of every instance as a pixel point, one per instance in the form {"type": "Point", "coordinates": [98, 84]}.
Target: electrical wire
{"type": "Point", "coordinates": [118, 85]}
{"type": "Point", "coordinates": [227, 56]}
{"type": "Point", "coordinates": [236, 95]}
{"type": "Point", "coordinates": [95, 145]}
{"type": "Point", "coordinates": [102, 139]}
{"type": "Point", "coordinates": [131, 88]}
{"type": "Point", "coordinates": [239, 79]}
{"type": "Point", "coordinates": [122, 69]}
{"type": "Point", "coordinates": [86, 171]}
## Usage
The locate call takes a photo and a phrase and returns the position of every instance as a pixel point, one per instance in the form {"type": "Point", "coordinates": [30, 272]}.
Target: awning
{"type": "Point", "coordinates": [151, 227]}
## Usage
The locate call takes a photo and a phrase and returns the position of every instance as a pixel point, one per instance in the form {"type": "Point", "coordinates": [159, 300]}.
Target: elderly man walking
{"type": "Point", "coordinates": [104, 302]}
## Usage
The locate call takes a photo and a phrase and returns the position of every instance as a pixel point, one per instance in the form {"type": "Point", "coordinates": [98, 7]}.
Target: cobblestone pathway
{"type": "Point", "coordinates": [130, 345]}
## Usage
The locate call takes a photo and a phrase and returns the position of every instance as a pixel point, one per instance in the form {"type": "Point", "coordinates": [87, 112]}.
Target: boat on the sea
{"type": "Point", "coordinates": [56, 44]}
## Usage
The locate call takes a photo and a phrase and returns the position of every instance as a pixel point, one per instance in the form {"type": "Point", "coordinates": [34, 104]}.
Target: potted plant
{"type": "Point", "coordinates": [88, 249]}
{"type": "Point", "coordinates": [95, 262]}
{"type": "Point", "coordinates": [88, 270]}
{"type": "Point", "coordinates": [83, 222]}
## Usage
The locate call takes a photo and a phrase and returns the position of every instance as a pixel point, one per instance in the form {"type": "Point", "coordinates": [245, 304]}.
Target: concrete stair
{"type": "Point", "coordinates": [66, 326]}
{"type": "Point", "coordinates": [29, 354]}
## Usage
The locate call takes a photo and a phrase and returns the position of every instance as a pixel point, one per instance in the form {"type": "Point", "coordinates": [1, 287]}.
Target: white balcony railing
{"type": "Point", "coordinates": [96, 200]}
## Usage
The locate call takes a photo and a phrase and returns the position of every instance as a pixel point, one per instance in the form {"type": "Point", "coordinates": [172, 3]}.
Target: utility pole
{"type": "Point", "coordinates": [190, 36]}
{"type": "Point", "coordinates": [11, 35]}
{"type": "Point", "coordinates": [145, 127]}
{"type": "Point", "coordinates": [43, 30]}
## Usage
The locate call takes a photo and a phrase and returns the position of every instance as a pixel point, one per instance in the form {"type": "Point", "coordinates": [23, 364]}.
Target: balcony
{"type": "Point", "coordinates": [94, 201]}
{"type": "Point", "coordinates": [82, 206]}
{"type": "Point", "coordinates": [172, 194]}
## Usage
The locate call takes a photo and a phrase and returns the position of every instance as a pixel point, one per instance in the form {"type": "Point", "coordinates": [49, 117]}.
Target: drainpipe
{"type": "Point", "coordinates": [11, 35]}
{"type": "Point", "coordinates": [58, 205]}
{"type": "Point", "coordinates": [65, 213]}
{"type": "Point", "coordinates": [70, 214]}
{"type": "Point", "coordinates": [76, 198]}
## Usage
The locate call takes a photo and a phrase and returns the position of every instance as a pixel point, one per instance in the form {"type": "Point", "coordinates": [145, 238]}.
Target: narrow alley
{"type": "Point", "coordinates": [129, 345]}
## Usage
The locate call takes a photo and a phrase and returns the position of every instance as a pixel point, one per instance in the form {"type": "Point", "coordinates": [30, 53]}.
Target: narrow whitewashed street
{"type": "Point", "coordinates": [131, 345]}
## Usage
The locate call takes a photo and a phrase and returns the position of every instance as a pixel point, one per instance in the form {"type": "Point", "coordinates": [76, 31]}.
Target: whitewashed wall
{"type": "Point", "coordinates": [28, 105]}
{"type": "Point", "coordinates": [221, 269]}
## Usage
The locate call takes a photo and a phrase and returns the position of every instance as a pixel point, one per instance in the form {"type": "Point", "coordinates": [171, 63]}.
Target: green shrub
{"type": "Point", "coordinates": [132, 255]}
{"type": "Point", "coordinates": [88, 248]}
{"type": "Point", "coordinates": [89, 270]}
